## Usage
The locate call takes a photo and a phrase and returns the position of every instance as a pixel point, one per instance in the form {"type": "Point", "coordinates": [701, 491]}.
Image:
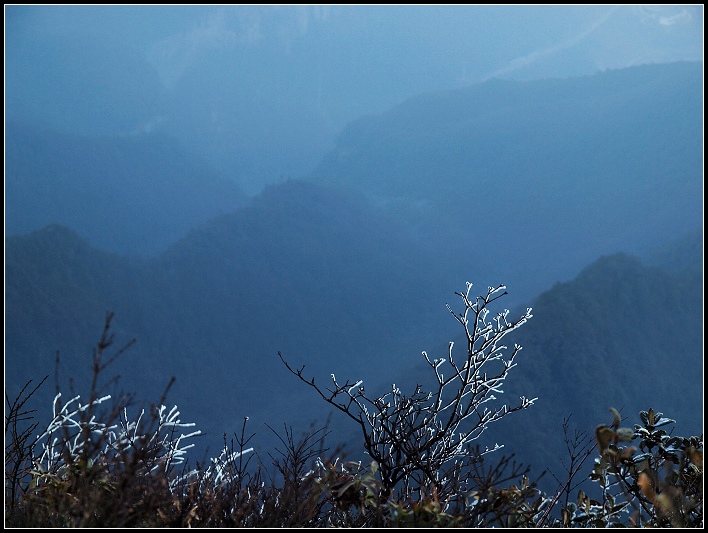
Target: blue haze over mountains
{"type": "Point", "coordinates": [226, 225]}
{"type": "Point", "coordinates": [262, 91]}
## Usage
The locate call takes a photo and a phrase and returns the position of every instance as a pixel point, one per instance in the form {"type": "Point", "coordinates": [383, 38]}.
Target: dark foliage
{"type": "Point", "coordinates": [94, 466]}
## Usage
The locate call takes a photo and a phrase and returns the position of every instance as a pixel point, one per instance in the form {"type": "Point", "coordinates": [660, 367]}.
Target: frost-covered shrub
{"type": "Point", "coordinates": [424, 441]}
{"type": "Point", "coordinates": [70, 439]}
{"type": "Point", "coordinates": [93, 464]}
{"type": "Point", "coordinates": [114, 465]}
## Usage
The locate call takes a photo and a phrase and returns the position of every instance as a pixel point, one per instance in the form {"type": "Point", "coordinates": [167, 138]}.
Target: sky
{"type": "Point", "coordinates": [263, 91]}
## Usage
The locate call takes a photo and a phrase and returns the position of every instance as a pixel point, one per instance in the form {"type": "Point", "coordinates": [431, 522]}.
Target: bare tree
{"type": "Point", "coordinates": [424, 441]}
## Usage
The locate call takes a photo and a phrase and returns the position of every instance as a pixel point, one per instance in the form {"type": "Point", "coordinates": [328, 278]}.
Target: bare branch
{"type": "Point", "coordinates": [415, 438]}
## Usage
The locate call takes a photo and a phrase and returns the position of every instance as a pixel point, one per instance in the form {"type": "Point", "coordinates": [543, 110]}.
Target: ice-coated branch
{"type": "Point", "coordinates": [161, 442]}
{"type": "Point", "coordinates": [420, 434]}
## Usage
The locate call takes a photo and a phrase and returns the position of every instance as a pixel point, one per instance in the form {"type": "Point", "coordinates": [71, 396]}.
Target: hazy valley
{"type": "Point", "coordinates": [582, 195]}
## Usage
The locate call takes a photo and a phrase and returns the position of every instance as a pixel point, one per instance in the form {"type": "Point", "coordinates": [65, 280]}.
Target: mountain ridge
{"type": "Point", "coordinates": [217, 326]}
{"type": "Point", "coordinates": [549, 174]}
{"type": "Point", "coordinates": [132, 194]}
